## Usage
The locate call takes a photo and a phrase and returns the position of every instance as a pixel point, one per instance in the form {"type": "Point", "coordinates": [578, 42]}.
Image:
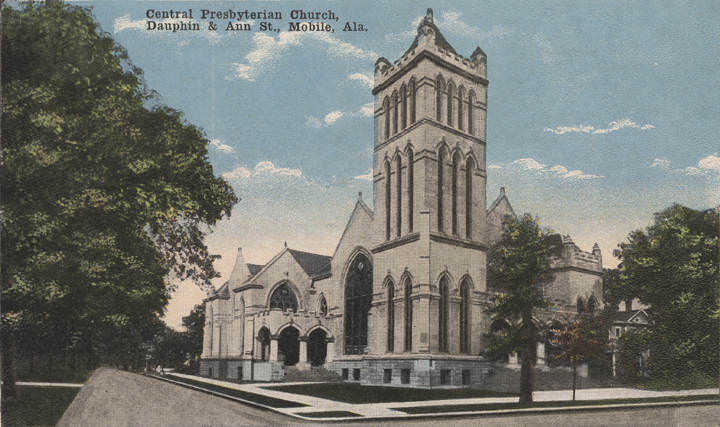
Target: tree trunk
{"type": "Point", "coordinates": [527, 364]}
{"type": "Point", "coordinates": [9, 371]}
{"type": "Point", "coordinates": [574, 368]}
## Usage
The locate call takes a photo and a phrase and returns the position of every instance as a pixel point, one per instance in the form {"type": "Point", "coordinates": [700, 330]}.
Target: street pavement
{"type": "Point", "coordinates": [118, 398]}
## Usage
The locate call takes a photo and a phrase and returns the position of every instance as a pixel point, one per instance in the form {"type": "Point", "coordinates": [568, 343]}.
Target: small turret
{"type": "Point", "coordinates": [596, 251]}
{"type": "Point", "coordinates": [240, 272]}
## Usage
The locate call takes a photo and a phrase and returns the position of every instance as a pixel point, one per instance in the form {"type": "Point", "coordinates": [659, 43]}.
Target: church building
{"type": "Point", "coordinates": [402, 300]}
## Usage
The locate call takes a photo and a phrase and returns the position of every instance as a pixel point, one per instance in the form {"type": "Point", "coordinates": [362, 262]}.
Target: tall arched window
{"type": "Point", "coordinates": [441, 164]}
{"type": "Point", "coordinates": [284, 298]}
{"type": "Point", "coordinates": [455, 192]}
{"type": "Point", "coordinates": [450, 96]}
{"type": "Point", "coordinates": [439, 87]}
{"type": "Point", "coordinates": [398, 196]}
{"type": "Point", "coordinates": [408, 314]}
{"type": "Point", "coordinates": [390, 317]}
{"type": "Point", "coordinates": [410, 188]}
{"type": "Point", "coordinates": [358, 298]}
{"type": "Point", "coordinates": [388, 199]}
{"type": "Point", "coordinates": [386, 113]}
{"type": "Point", "coordinates": [443, 315]}
{"type": "Point", "coordinates": [403, 110]}
{"type": "Point", "coordinates": [461, 95]}
{"type": "Point", "coordinates": [471, 100]}
{"type": "Point", "coordinates": [395, 105]}
{"type": "Point", "coordinates": [412, 100]}
{"type": "Point", "coordinates": [469, 171]}
{"type": "Point", "coordinates": [465, 317]}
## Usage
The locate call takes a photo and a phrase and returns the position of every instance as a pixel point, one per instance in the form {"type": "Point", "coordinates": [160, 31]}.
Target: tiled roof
{"type": "Point", "coordinates": [313, 264]}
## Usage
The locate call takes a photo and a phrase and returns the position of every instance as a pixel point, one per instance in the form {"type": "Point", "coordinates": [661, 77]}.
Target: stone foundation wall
{"type": "Point", "coordinates": [231, 369]}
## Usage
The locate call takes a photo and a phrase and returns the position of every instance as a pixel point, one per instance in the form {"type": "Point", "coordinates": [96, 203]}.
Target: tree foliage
{"type": "Point", "coordinates": [106, 193]}
{"type": "Point", "coordinates": [194, 324]}
{"type": "Point", "coordinates": [673, 267]}
{"type": "Point", "coordinates": [519, 266]}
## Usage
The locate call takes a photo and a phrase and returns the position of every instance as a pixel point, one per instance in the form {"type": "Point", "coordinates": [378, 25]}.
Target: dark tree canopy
{"type": "Point", "coordinates": [106, 194]}
{"type": "Point", "coordinates": [673, 267]}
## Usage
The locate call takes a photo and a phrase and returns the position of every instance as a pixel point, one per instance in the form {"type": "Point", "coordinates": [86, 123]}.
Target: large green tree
{"type": "Point", "coordinates": [519, 267]}
{"type": "Point", "coordinates": [194, 324]}
{"type": "Point", "coordinates": [106, 194]}
{"type": "Point", "coordinates": [673, 266]}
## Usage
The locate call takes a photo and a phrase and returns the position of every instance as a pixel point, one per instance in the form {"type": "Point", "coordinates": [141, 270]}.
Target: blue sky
{"type": "Point", "coordinates": [600, 113]}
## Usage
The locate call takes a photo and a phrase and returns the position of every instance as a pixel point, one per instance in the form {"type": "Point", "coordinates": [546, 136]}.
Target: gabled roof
{"type": "Point", "coordinates": [499, 199]}
{"type": "Point", "coordinates": [359, 206]}
{"type": "Point", "coordinates": [312, 264]}
{"type": "Point", "coordinates": [628, 316]}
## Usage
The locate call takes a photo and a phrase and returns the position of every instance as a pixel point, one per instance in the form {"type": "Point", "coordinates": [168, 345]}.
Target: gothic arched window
{"type": "Point", "coordinates": [412, 100]}
{"type": "Point", "coordinates": [441, 162]}
{"type": "Point", "coordinates": [395, 104]}
{"type": "Point", "coordinates": [465, 317]}
{"type": "Point", "coordinates": [461, 95]}
{"type": "Point", "coordinates": [390, 317]}
{"type": "Point", "coordinates": [455, 192]}
{"type": "Point", "coordinates": [284, 298]}
{"type": "Point", "coordinates": [408, 314]}
{"type": "Point", "coordinates": [469, 171]}
{"type": "Point", "coordinates": [398, 186]}
{"type": "Point", "coordinates": [439, 87]}
{"type": "Point", "coordinates": [471, 100]}
{"type": "Point", "coordinates": [388, 199]}
{"type": "Point", "coordinates": [450, 95]}
{"type": "Point", "coordinates": [410, 187]}
{"type": "Point", "coordinates": [444, 307]}
{"type": "Point", "coordinates": [358, 298]}
{"type": "Point", "coordinates": [403, 111]}
{"type": "Point", "coordinates": [386, 113]}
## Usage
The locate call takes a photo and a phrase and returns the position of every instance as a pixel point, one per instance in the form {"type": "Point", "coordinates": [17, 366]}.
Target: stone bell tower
{"type": "Point", "coordinates": [429, 189]}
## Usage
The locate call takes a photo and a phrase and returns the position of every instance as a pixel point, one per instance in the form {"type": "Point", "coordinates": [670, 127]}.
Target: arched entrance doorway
{"type": "Point", "coordinates": [317, 347]}
{"type": "Point", "coordinates": [289, 346]}
{"type": "Point", "coordinates": [263, 339]}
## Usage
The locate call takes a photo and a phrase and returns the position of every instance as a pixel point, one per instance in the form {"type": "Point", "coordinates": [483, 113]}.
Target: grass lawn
{"type": "Point", "coordinates": [688, 382]}
{"type": "Point", "coordinates": [356, 393]}
{"type": "Point", "coordinates": [38, 406]}
{"type": "Point", "coordinates": [329, 414]}
{"type": "Point", "coordinates": [252, 397]}
{"type": "Point", "coordinates": [434, 409]}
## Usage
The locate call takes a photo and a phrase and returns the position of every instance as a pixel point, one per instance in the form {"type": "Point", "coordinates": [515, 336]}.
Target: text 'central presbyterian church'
{"type": "Point", "coordinates": [402, 300]}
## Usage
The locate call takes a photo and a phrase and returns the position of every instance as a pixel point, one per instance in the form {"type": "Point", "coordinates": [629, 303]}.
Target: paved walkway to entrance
{"type": "Point", "coordinates": [316, 404]}
{"type": "Point", "coordinates": [36, 384]}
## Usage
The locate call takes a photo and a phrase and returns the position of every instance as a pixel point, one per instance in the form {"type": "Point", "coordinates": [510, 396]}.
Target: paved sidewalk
{"type": "Point", "coordinates": [37, 384]}
{"type": "Point", "coordinates": [316, 404]}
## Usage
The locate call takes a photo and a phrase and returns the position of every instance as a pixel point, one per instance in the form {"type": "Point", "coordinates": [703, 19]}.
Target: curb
{"type": "Point", "coordinates": [458, 414]}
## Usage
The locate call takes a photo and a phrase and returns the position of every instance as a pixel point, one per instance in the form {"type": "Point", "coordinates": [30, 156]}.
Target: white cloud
{"type": "Point", "coordinates": [125, 23]}
{"type": "Point", "coordinates": [660, 163]}
{"type": "Point", "coordinates": [405, 35]}
{"type": "Point", "coordinates": [707, 166]}
{"type": "Point", "coordinates": [365, 79]}
{"type": "Point", "coordinates": [529, 163]}
{"type": "Point", "coordinates": [557, 171]}
{"type": "Point", "coordinates": [266, 49]}
{"type": "Point", "coordinates": [710, 162]}
{"type": "Point", "coordinates": [452, 22]}
{"type": "Point", "coordinates": [221, 147]}
{"type": "Point", "coordinates": [613, 126]}
{"type": "Point", "coordinates": [367, 110]}
{"type": "Point", "coordinates": [544, 48]}
{"type": "Point", "coordinates": [366, 177]}
{"type": "Point", "coordinates": [268, 168]}
{"type": "Point", "coordinates": [332, 117]}
{"type": "Point", "coordinates": [263, 168]}
{"type": "Point", "coordinates": [494, 167]}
